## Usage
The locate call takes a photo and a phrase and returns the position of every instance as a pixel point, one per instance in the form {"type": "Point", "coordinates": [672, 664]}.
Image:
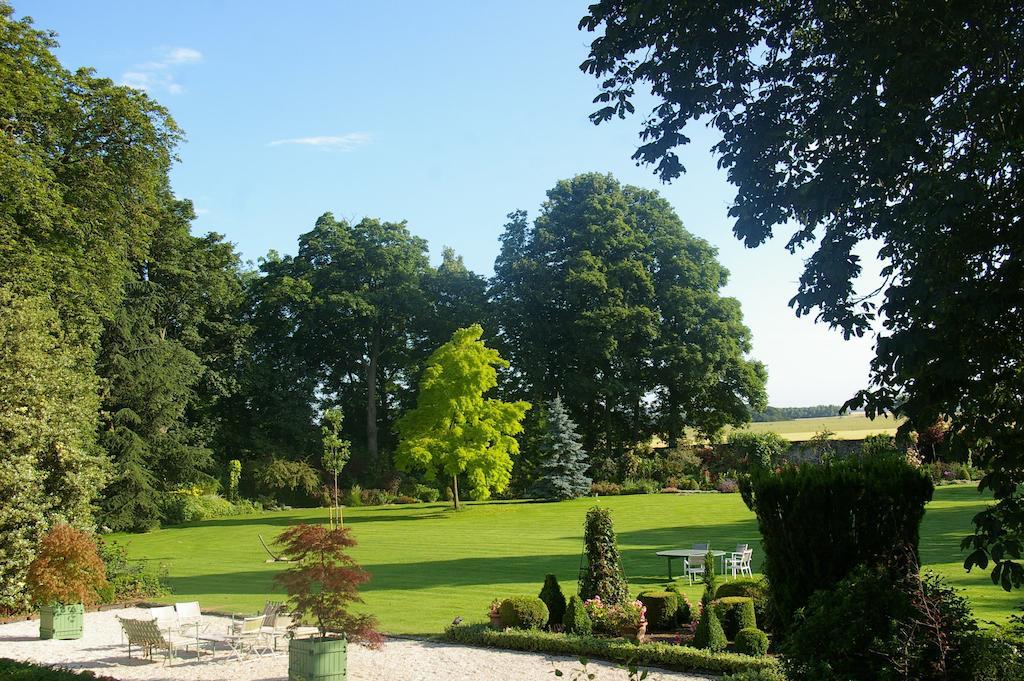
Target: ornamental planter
{"type": "Point", "coordinates": [496, 622]}
{"type": "Point", "coordinates": [635, 634]}
{"type": "Point", "coordinates": [317, 659]}
{"type": "Point", "coordinates": [61, 621]}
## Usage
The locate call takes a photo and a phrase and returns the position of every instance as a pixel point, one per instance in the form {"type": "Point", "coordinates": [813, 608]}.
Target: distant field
{"type": "Point", "coordinates": [849, 427]}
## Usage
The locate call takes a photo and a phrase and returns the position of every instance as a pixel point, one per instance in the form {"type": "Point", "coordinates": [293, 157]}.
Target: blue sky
{"type": "Point", "coordinates": [446, 114]}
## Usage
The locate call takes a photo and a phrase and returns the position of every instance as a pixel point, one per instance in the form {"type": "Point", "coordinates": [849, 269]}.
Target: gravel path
{"type": "Point", "coordinates": [100, 650]}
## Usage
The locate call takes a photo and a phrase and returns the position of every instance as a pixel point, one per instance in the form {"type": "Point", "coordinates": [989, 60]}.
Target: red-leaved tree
{"type": "Point", "coordinates": [324, 581]}
{"type": "Point", "coordinates": [67, 569]}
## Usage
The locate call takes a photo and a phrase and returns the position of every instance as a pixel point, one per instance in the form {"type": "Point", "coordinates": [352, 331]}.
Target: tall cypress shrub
{"type": "Point", "coordinates": [602, 575]}
{"type": "Point", "coordinates": [563, 466]}
{"type": "Point", "coordinates": [818, 521]}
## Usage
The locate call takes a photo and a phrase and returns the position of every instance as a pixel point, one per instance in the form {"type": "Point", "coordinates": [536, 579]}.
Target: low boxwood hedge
{"type": "Point", "coordinates": [664, 655]}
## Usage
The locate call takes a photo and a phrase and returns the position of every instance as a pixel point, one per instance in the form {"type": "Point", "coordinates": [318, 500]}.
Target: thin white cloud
{"type": "Point", "coordinates": [346, 142]}
{"type": "Point", "coordinates": [153, 76]}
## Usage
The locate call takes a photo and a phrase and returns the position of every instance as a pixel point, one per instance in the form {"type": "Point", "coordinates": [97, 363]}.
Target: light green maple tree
{"type": "Point", "coordinates": [336, 454]}
{"type": "Point", "coordinates": [454, 430]}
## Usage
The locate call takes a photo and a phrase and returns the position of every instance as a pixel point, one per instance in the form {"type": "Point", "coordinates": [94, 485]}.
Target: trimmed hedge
{"type": "Point", "coordinates": [752, 641]}
{"type": "Point", "coordinates": [12, 670]}
{"type": "Point", "coordinates": [524, 612]}
{"type": "Point", "coordinates": [819, 521]}
{"type": "Point", "coordinates": [735, 613]}
{"type": "Point", "coordinates": [665, 655]}
{"type": "Point", "coordinates": [756, 589]}
{"type": "Point", "coordinates": [662, 609]}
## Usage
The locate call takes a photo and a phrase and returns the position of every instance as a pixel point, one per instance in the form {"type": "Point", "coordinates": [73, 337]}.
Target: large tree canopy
{"type": "Point", "coordinates": [607, 301]}
{"type": "Point", "coordinates": [901, 124]}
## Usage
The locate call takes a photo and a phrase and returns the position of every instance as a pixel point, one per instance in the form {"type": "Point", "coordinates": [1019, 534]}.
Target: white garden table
{"type": "Point", "coordinates": [690, 553]}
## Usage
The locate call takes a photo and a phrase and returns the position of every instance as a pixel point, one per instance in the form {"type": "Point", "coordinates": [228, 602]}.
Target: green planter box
{"type": "Point", "coordinates": [317, 659]}
{"type": "Point", "coordinates": [61, 621]}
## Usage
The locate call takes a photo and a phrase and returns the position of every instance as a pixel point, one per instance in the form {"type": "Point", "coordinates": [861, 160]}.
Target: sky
{"type": "Point", "coordinates": [446, 114]}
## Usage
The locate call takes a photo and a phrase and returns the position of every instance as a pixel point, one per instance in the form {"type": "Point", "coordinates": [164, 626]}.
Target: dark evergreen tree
{"type": "Point", "coordinates": [551, 594]}
{"type": "Point", "coordinates": [563, 466]}
{"type": "Point", "coordinates": [130, 502]}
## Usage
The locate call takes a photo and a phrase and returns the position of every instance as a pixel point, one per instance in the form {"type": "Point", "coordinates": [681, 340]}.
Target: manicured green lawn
{"type": "Point", "coordinates": [430, 565]}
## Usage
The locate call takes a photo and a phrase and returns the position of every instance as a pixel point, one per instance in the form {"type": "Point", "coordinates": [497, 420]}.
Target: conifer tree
{"type": "Point", "coordinates": [129, 500]}
{"type": "Point", "coordinates": [603, 576]}
{"type": "Point", "coordinates": [562, 473]}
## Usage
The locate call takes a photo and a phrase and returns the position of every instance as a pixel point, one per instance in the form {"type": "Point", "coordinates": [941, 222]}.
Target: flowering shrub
{"type": "Point", "coordinates": [598, 614]}
{"type": "Point", "coordinates": [611, 619]}
{"type": "Point", "coordinates": [629, 615]}
{"type": "Point", "coordinates": [727, 486]}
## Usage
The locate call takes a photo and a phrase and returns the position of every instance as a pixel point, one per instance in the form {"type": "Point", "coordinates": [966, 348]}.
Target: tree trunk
{"type": "Point", "coordinates": [455, 490]}
{"type": "Point", "coordinates": [337, 506]}
{"type": "Point", "coordinates": [673, 422]}
{"type": "Point", "coordinates": [371, 400]}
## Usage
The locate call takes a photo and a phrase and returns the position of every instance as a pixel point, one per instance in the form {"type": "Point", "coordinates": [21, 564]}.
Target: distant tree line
{"type": "Point", "coordinates": [790, 413]}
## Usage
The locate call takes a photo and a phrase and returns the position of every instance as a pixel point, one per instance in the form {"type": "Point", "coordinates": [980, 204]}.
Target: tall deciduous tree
{"type": "Point", "coordinates": [50, 468]}
{"type": "Point", "coordinates": [454, 430]}
{"type": "Point", "coordinates": [336, 453]}
{"type": "Point", "coordinates": [607, 300]}
{"type": "Point", "coordinates": [562, 473]}
{"type": "Point", "coordinates": [901, 125]}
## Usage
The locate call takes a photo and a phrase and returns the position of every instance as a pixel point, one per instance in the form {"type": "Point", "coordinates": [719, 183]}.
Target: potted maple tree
{"type": "Point", "coordinates": [66, 575]}
{"type": "Point", "coordinates": [321, 586]}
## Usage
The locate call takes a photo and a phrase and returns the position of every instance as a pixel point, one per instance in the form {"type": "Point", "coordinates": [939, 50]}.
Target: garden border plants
{"type": "Point", "coordinates": [663, 655]}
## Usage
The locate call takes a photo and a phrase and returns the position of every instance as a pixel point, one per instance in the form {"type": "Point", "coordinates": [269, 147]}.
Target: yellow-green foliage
{"type": "Point", "coordinates": [454, 429]}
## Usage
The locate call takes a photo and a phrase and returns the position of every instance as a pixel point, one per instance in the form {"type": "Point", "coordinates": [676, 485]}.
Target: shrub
{"type": "Point", "coordinates": [190, 505]}
{"type": "Point", "coordinates": [627, 615]}
{"type": "Point", "coordinates": [772, 674]}
{"type": "Point", "coordinates": [576, 620]}
{"type": "Point", "coordinates": [377, 497]}
{"type": "Point", "coordinates": [128, 580]}
{"type": "Point", "coordinates": [67, 569]}
{"type": "Point", "coordinates": [680, 463]}
{"type": "Point", "coordinates": [727, 486]}
{"type": "Point", "coordinates": [735, 613]}
{"type": "Point", "coordinates": [755, 589]}
{"type": "Point", "coordinates": [426, 493]}
{"type": "Point", "coordinates": [603, 576]}
{"type": "Point", "coordinates": [523, 612]}
{"type": "Point", "coordinates": [640, 486]}
{"type": "Point", "coordinates": [662, 609]}
{"type": "Point", "coordinates": [355, 496]}
{"type": "Point", "coordinates": [600, 617]}
{"type": "Point", "coordinates": [664, 655]}
{"type": "Point", "coordinates": [605, 489]}
{"type": "Point", "coordinates": [11, 670]}
{"type": "Point", "coordinates": [752, 641]}
{"type": "Point", "coordinates": [686, 483]}
{"type": "Point", "coordinates": [758, 450]}
{"type": "Point", "coordinates": [848, 511]}
{"type": "Point", "coordinates": [709, 634]}
{"type": "Point", "coordinates": [554, 599]}
{"type": "Point", "coordinates": [320, 559]}
{"type": "Point", "coordinates": [866, 607]}
{"type": "Point", "coordinates": [685, 613]}
{"type": "Point", "coordinates": [993, 656]}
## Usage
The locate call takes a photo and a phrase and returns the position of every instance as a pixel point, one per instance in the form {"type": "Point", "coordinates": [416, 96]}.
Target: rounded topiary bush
{"type": "Point", "coordinates": [735, 613]}
{"type": "Point", "coordinates": [523, 612]}
{"type": "Point", "coordinates": [756, 589]}
{"type": "Point", "coordinates": [752, 641]}
{"type": "Point", "coordinates": [576, 619]}
{"type": "Point", "coordinates": [662, 609]}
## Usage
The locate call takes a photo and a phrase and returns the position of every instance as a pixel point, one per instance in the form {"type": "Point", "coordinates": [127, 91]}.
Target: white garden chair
{"type": "Point", "coordinates": [247, 635]}
{"type": "Point", "coordinates": [190, 618]}
{"type": "Point", "coordinates": [165, 617]}
{"type": "Point", "coordinates": [694, 566]}
{"type": "Point", "coordinates": [739, 561]}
